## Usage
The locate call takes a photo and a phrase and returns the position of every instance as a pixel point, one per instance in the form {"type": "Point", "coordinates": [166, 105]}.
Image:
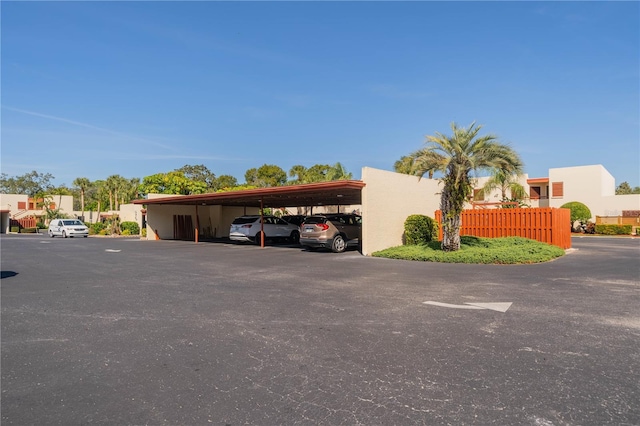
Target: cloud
{"type": "Point", "coordinates": [88, 126]}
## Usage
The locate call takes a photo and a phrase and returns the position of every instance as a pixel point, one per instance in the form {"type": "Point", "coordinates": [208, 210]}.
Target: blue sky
{"type": "Point", "coordinates": [93, 89]}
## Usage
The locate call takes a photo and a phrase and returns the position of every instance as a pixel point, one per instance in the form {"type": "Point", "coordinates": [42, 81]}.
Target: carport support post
{"type": "Point", "coordinates": [197, 224]}
{"type": "Point", "coordinates": [262, 222]}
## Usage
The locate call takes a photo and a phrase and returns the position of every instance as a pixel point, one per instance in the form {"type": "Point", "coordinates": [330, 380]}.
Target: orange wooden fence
{"type": "Point", "coordinates": [25, 222]}
{"type": "Point", "coordinates": [546, 224]}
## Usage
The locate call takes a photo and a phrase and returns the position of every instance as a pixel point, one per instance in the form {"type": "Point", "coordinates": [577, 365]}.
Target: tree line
{"type": "Point", "coordinates": [110, 193]}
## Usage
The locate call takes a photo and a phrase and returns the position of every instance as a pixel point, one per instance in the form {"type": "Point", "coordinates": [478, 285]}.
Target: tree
{"type": "Point", "coordinates": [31, 184]}
{"type": "Point", "coordinates": [579, 212]}
{"type": "Point", "coordinates": [131, 190]}
{"type": "Point", "coordinates": [456, 156]}
{"type": "Point", "coordinates": [298, 172]}
{"type": "Point", "coordinates": [338, 172]}
{"type": "Point", "coordinates": [624, 188]}
{"type": "Point", "coordinates": [199, 173]}
{"type": "Point", "coordinates": [101, 193]}
{"type": "Point", "coordinates": [508, 184]}
{"type": "Point", "coordinates": [82, 184]}
{"type": "Point", "coordinates": [171, 183]}
{"type": "Point", "coordinates": [115, 185]}
{"type": "Point", "coordinates": [225, 181]}
{"type": "Point", "coordinates": [405, 165]}
{"type": "Point", "coordinates": [265, 176]}
{"type": "Point", "coordinates": [417, 162]}
{"type": "Point", "coordinates": [48, 199]}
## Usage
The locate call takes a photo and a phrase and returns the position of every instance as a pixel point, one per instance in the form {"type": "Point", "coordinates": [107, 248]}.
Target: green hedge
{"type": "Point", "coordinates": [613, 229]}
{"type": "Point", "coordinates": [95, 228]}
{"type": "Point", "coordinates": [15, 229]}
{"type": "Point", "coordinates": [28, 230]}
{"type": "Point", "coordinates": [419, 229]}
{"type": "Point", "coordinates": [132, 227]}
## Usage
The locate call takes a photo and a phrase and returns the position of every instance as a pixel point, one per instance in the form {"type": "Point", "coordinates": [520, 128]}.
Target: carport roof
{"type": "Point", "coordinates": [339, 192]}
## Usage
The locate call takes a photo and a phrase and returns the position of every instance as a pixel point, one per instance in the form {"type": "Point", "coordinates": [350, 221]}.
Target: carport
{"type": "Point", "coordinates": [385, 199]}
{"type": "Point", "coordinates": [211, 214]}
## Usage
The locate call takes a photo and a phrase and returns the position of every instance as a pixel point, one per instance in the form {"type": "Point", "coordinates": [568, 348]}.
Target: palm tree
{"type": "Point", "coordinates": [82, 184]}
{"type": "Point", "coordinates": [457, 156]}
{"type": "Point", "coordinates": [338, 172]}
{"type": "Point", "coordinates": [298, 172]}
{"type": "Point", "coordinates": [417, 162]}
{"type": "Point", "coordinates": [100, 187]}
{"type": "Point", "coordinates": [115, 184]}
{"type": "Point", "coordinates": [506, 182]}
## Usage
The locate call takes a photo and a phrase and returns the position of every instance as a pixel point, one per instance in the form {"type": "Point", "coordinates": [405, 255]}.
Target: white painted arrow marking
{"type": "Point", "coordinates": [449, 305]}
{"type": "Point", "coordinates": [500, 306]}
{"type": "Point", "coordinates": [112, 251]}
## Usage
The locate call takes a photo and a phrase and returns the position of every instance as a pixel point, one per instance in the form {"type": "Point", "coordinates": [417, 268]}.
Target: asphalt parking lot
{"type": "Point", "coordinates": [124, 331]}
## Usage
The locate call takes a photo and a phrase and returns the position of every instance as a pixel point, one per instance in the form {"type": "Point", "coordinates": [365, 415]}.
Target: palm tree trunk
{"type": "Point", "coordinates": [82, 202]}
{"type": "Point", "coordinates": [451, 221]}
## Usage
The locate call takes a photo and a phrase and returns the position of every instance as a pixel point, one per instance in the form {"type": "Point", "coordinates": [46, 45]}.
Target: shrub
{"type": "Point", "coordinates": [95, 228]}
{"type": "Point", "coordinates": [579, 212]}
{"type": "Point", "coordinates": [28, 230]}
{"type": "Point", "coordinates": [131, 228]}
{"type": "Point", "coordinates": [144, 232]}
{"type": "Point", "coordinates": [41, 225]}
{"type": "Point", "coordinates": [419, 229]}
{"type": "Point", "coordinates": [506, 250]}
{"type": "Point", "coordinates": [613, 229]}
{"type": "Point", "coordinates": [103, 232]}
{"type": "Point", "coordinates": [15, 229]}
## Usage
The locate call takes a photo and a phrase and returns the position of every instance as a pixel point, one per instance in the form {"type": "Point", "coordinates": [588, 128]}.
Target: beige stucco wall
{"type": "Point", "coordinates": [131, 213]}
{"type": "Point", "coordinates": [215, 220]}
{"type": "Point", "coordinates": [10, 202]}
{"type": "Point", "coordinates": [387, 199]}
{"type": "Point", "coordinates": [593, 186]}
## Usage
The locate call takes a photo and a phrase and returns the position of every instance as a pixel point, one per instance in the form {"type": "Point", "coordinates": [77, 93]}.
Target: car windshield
{"type": "Point", "coordinates": [244, 219]}
{"type": "Point", "coordinates": [72, 222]}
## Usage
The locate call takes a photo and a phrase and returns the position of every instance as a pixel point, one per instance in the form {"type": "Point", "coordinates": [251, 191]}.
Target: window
{"type": "Point", "coordinates": [557, 189]}
{"type": "Point", "coordinates": [535, 192]}
{"type": "Point", "coordinates": [478, 195]}
{"type": "Point", "coordinates": [22, 205]}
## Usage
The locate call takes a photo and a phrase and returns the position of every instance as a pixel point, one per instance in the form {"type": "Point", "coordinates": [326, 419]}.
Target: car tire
{"type": "Point", "coordinates": [64, 234]}
{"type": "Point", "coordinates": [339, 244]}
{"type": "Point", "coordinates": [85, 236]}
{"type": "Point", "coordinates": [295, 237]}
{"type": "Point", "coordinates": [258, 239]}
{"type": "Point", "coordinates": [51, 234]}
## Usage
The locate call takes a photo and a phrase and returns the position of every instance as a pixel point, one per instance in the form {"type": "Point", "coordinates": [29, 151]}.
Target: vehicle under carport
{"type": "Point", "coordinates": [385, 198]}
{"type": "Point", "coordinates": [191, 217]}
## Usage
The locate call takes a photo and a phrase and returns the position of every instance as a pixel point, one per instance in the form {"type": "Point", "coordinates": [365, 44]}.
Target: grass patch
{"type": "Point", "coordinates": [508, 250]}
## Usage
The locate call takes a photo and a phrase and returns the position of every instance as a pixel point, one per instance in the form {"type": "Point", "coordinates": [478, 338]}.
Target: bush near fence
{"type": "Point", "coordinates": [419, 229]}
{"type": "Point", "coordinates": [614, 229]}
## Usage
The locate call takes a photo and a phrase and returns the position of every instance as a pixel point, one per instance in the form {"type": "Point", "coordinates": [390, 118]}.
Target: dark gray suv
{"type": "Point", "coordinates": [333, 231]}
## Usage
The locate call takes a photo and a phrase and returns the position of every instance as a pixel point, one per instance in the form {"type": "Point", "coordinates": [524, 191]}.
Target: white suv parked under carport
{"type": "Point", "coordinates": [247, 228]}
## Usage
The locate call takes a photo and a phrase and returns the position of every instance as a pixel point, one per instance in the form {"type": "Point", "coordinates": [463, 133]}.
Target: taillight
{"type": "Point", "coordinates": [324, 226]}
